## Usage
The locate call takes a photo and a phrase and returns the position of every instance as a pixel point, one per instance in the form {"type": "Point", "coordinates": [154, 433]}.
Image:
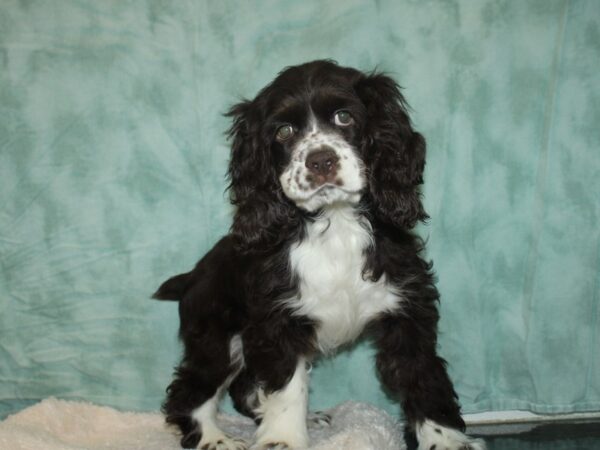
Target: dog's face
{"type": "Point", "coordinates": [319, 135]}
{"type": "Point", "coordinates": [317, 139]}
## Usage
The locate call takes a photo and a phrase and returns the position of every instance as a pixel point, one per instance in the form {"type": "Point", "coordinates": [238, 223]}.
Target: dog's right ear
{"type": "Point", "coordinates": [261, 208]}
{"type": "Point", "coordinates": [174, 288]}
{"type": "Point", "coordinates": [395, 153]}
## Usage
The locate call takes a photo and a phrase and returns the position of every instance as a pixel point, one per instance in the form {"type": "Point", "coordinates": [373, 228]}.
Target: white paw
{"type": "Point", "coordinates": [432, 436]}
{"type": "Point", "coordinates": [281, 442]}
{"type": "Point", "coordinates": [272, 446]}
{"type": "Point", "coordinates": [222, 443]}
{"type": "Point", "coordinates": [280, 439]}
{"type": "Point", "coordinates": [319, 419]}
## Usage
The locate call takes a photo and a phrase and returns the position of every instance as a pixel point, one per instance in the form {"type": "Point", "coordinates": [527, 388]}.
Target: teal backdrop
{"type": "Point", "coordinates": [112, 164]}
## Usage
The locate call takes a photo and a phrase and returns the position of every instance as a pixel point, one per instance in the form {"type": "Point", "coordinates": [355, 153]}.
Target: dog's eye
{"type": "Point", "coordinates": [284, 132]}
{"type": "Point", "coordinates": [343, 118]}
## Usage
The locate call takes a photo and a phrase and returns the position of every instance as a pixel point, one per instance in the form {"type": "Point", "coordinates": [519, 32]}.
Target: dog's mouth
{"type": "Point", "coordinates": [328, 187]}
{"type": "Point", "coordinates": [325, 194]}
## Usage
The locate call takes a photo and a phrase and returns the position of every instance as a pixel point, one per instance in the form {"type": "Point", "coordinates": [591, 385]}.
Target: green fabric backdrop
{"type": "Point", "coordinates": [112, 162]}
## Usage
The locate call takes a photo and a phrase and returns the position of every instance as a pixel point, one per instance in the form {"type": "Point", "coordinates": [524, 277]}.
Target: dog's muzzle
{"type": "Point", "coordinates": [322, 165]}
{"type": "Point", "coordinates": [324, 169]}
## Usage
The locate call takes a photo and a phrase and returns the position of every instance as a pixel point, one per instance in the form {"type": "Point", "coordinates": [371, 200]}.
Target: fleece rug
{"type": "Point", "coordinates": [56, 424]}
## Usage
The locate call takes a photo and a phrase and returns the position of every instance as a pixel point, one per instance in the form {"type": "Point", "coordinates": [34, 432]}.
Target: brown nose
{"type": "Point", "coordinates": [322, 162]}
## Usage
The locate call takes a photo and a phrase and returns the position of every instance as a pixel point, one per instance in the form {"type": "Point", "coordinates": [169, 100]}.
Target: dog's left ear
{"type": "Point", "coordinates": [262, 212]}
{"type": "Point", "coordinates": [394, 153]}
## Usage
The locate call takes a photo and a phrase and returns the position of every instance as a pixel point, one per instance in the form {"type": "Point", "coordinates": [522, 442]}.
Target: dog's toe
{"type": "Point", "coordinates": [278, 446]}
{"type": "Point", "coordinates": [319, 419]}
{"type": "Point", "coordinates": [225, 443]}
{"type": "Point", "coordinates": [273, 446]}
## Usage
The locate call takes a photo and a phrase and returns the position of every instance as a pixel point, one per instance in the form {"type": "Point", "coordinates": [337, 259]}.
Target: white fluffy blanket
{"type": "Point", "coordinates": [57, 424]}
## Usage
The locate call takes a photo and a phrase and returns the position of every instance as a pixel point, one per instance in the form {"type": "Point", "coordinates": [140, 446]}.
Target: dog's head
{"type": "Point", "coordinates": [321, 135]}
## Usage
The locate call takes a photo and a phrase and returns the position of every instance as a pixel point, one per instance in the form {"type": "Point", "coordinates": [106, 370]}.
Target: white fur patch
{"type": "Point", "coordinates": [329, 264]}
{"type": "Point", "coordinates": [284, 413]}
{"type": "Point", "coordinates": [350, 172]}
{"type": "Point", "coordinates": [236, 356]}
{"type": "Point", "coordinates": [206, 414]}
{"type": "Point", "coordinates": [212, 436]}
{"type": "Point", "coordinates": [432, 436]}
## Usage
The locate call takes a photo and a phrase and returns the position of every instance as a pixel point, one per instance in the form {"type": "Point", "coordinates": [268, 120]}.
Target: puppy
{"type": "Point", "coordinates": [324, 173]}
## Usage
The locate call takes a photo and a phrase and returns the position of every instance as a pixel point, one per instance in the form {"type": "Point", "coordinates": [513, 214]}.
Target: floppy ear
{"type": "Point", "coordinates": [262, 211]}
{"type": "Point", "coordinates": [394, 153]}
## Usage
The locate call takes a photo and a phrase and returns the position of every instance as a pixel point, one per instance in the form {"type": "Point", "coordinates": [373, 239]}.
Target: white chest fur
{"type": "Point", "coordinates": [329, 264]}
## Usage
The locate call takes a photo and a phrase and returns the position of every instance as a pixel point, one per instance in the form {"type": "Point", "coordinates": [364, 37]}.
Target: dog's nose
{"type": "Point", "coordinates": [322, 161]}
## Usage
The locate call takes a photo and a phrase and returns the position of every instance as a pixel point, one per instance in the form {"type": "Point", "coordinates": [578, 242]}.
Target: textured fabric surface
{"type": "Point", "coordinates": [66, 425]}
{"type": "Point", "coordinates": [112, 162]}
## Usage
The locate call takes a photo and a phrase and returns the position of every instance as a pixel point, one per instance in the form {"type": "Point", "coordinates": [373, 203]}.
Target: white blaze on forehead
{"type": "Point", "coordinates": [348, 183]}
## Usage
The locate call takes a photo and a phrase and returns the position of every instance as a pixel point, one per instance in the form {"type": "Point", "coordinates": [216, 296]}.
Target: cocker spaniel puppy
{"type": "Point", "coordinates": [325, 172]}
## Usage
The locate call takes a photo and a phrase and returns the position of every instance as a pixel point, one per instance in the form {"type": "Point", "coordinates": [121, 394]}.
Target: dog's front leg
{"type": "Point", "coordinates": [282, 413]}
{"type": "Point", "coordinates": [410, 367]}
{"type": "Point", "coordinates": [276, 356]}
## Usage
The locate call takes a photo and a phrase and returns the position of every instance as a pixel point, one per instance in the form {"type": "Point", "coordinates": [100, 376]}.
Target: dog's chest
{"type": "Point", "coordinates": [332, 290]}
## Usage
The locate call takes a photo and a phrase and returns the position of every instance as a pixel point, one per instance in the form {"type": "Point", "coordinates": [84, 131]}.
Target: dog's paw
{"type": "Point", "coordinates": [432, 436]}
{"type": "Point", "coordinates": [272, 446]}
{"type": "Point", "coordinates": [319, 419]}
{"type": "Point", "coordinates": [223, 443]}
